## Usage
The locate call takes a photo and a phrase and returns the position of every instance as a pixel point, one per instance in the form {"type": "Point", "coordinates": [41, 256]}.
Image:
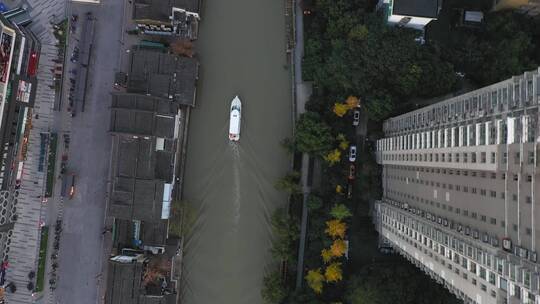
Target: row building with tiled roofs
{"type": "Point", "coordinates": [460, 191]}
{"type": "Point", "coordinates": [175, 18]}
{"type": "Point", "coordinates": [147, 126]}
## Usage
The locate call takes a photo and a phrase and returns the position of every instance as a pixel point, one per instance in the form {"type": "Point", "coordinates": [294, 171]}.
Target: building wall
{"type": "Point", "coordinates": [470, 165]}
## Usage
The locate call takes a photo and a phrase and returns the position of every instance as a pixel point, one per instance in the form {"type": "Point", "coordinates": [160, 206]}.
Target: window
{"type": "Point", "coordinates": [483, 218]}
{"type": "Point", "coordinates": [472, 267]}
{"type": "Point", "coordinates": [473, 157]}
{"type": "Point", "coordinates": [528, 200]}
{"type": "Point", "coordinates": [483, 273]}
{"type": "Point", "coordinates": [515, 227]}
{"type": "Point", "coordinates": [529, 178]}
{"type": "Point", "coordinates": [516, 177]}
{"type": "Point", "coordinates": [466, 212]}
{"type": "Point", "coordinates": [474, 215]}
{"type": "Point", "coordinates": [493, 221]}
{"type": "Point", "coordinates": [503, 195]}
{"type": "Point", "coordinates": [514, 197]}
{"type": "Point", "coordinates": [517, 157]}
{"type": "Point", "coordinates": [493, 193]}
{"type": "Point", "coordinates": [505, 158]}
{"type": "Point", "coordinates": [528, 231]}
{"type": "Point", "coordinates": [530, 159]}
{"type": "Point", "coordinates": [492, 278]}
{"type": "Point", "coordinates": [493, 157]}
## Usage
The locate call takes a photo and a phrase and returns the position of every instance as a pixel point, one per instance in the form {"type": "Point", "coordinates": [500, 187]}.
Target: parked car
{"type": "Point", "coordinates": [349, 190]}
{"type": "Point", "coordinates": [352, 172]}
{"type": "Point", "coordinates": [352, 153]}
{"type": "Point", "coordinates": [356, 118]}
{"type": "Point", "coordinates": [72, 188]}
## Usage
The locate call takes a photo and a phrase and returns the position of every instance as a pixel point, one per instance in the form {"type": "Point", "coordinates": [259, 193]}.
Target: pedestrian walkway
{"type": "Point", "coordinates": [25, 238]}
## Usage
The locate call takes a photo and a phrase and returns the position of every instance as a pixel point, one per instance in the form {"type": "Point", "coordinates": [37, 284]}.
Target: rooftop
{"type": "Point", "coordinates": [161, 10]}
{"type": "Point", "coordinates": [163, 75]}
{"type": "Point", "coordinates": [142, 162]}
{"type": "Point", "coordinates": [125, 285]}
{"type": "Point", "coordinates": [416, 8]}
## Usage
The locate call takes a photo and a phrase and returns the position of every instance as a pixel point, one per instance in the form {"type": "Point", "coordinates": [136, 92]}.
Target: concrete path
{"type": "Point", "coordinates": [303, 92]}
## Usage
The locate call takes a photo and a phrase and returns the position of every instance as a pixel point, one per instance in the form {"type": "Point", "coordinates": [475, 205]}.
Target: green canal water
{"type": "Point", "coordinates": [229, 187]}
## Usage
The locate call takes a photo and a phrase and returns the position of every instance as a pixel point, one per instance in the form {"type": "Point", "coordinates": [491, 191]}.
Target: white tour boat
{"type": "Point", "coordinates": [234, 124]}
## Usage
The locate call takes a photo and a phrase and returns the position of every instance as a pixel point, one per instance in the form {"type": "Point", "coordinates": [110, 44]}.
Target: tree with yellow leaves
{"type": "Point", "coordinates": [336, 228]}
{"type": "Point", "coordinates": [315, 280]}
{"type": "Point", "coordinates": [352, 102]}
{"type": "Point", "coordinates": [326, 255]}
{"type": "Point", "coordinates": [340, 109]}
{"type": "Point", "coordinates": [343, 142]}
{"type": "Point", "coordinates": [338, 248]}
{"type": "Point", "coordinates": [333, 272]}
{"type": "Point", "coordinates": [333, 157]}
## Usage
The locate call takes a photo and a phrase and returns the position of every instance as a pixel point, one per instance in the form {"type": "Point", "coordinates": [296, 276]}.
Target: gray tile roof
{"type": "Point", "coordinates": [163, 75]}
{"type": "Point", "coordinates": [417, 8]}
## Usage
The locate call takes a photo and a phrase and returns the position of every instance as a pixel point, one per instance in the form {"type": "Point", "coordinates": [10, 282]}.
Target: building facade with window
{"type": "Point", "coordinates": [460, 182]}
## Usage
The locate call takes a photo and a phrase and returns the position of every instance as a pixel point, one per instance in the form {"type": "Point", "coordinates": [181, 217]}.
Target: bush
{"type": "Point", "coordinates": [273, 290]}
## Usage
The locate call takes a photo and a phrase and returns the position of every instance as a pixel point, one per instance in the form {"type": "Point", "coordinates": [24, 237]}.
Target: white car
{"type": "Point", "coordinates": [352, 153]}
{"type": "Point", "coordinates": [356, 118]}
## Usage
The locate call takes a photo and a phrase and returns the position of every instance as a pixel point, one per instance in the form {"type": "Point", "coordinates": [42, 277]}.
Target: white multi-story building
{"type": "Point", "coordinates": [460, 181]}
{"type": "Point", "coordinates": [412, 13]}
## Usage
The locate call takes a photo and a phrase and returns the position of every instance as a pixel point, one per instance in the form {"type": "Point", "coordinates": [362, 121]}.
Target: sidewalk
{"type": "Point", "coordinates": [26, 233]}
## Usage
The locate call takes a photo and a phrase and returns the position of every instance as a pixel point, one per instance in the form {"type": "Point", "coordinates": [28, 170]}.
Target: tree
{"type": "Point", "coordinates": [340, 212]}
{"type": "Point", "coordinates": [340, 109]}
{"type": "Point", "coordinates": [285, 231]}
{"type": "Point", "coordinates": [315, 280]}
{"type": "Point", "coordinates": [336, 228]}
{"type": "Point", "coordinates": [314, 202]}
{"type": "Point", "coordinates": [326, 255]}
{"type": "Point", "coordinates": [290, 183]}
{"type": "Point", "coordinates": [343, 142]}
{"type": "Point", "coordinates": [333, 157]}
{"type": "Point", "coordinates": [333, 273]}
{"type": "Point", "coordinates": [338, 248]}
{"type": "Point", "coordinates": [352, 102]}
{"type": "Point", "coordinates": [364, 294]}
{"type": "Point", "coordinates": [312, 135]}
{"type": "Point", "coordinates": [273, 290]}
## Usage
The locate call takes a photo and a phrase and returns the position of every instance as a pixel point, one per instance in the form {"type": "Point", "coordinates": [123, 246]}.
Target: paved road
{"type": "Point", "coordinates": [83, 246]}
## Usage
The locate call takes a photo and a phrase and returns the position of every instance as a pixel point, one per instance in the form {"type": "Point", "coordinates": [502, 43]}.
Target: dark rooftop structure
{"type": "Point", "coordinates": [417, 8]}
{"type": "Point", "coordinates": [178, 18]}
{"type": "Point", "coordinates": [163, 75]}
{"type": "Point", "coordinates": [160, 10]}
{"type": "Point", "coordinates": [126, 284]}
{"type": "Point", "coordinates": [143, 156]}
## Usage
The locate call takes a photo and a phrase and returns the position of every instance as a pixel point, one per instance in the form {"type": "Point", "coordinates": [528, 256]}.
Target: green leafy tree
{"type": "Point", "coordinates": [314, 202]}
{"type": "Point", "coordinates": [285, 231]}
{"type": "Point", "coordinates": [312, 135]}
{"type": "Point", "coordinates": [340, 212]}
{"type": "Point", "coordinates": [290, 183]}
{"type": "Point", "coordinates": [273, 290]}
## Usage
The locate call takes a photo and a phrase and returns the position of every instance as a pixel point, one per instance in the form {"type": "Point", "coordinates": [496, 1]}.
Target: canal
{"type": "Point", "coordinates": [229, 188]}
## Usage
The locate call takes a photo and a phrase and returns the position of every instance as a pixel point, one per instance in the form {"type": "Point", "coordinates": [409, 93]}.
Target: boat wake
{"type": "Point", "coordinates": [236, 182]}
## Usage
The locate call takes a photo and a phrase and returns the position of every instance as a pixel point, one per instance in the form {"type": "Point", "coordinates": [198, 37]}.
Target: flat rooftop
{"type": "Point", "coordinates": [143, 115]}
{"type": "Point", "coordinates": [160, 10]}
{"type": "Point", "coordinates": [163, 75]}
{"type": "Point", "coordinates": [416, 8]}
{"type": "Point", "coordinates": [143, 155]}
